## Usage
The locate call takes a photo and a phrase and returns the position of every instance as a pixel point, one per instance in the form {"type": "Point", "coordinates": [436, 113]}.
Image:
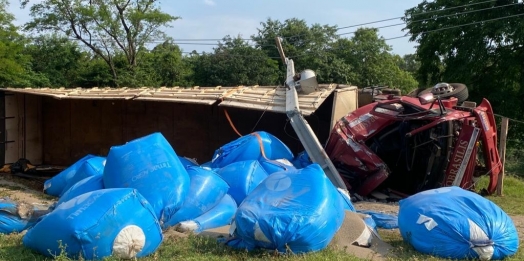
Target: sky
{"type": "Point", "coordinates": [214, 19]}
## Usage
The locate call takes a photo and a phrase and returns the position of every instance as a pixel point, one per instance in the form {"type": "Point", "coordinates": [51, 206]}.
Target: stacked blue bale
{"type": "Point", "coordinates": [150, 165]}
{"type": "Point", "coordinates": [220, 215]}
{"type": "Point", "coordinates": [89, 168]}
{"type": "Point", "coordinates": [205, 192]}
{"type": "Point", "coordinates": [88, 184]}
{"type": "Point", "coordinates": [242, 177]}
{"type": "Point", "coordinates": [98, 224]}
{"type": "Point", "coordinates": [55, 186]}
{"type": "Point", "coordinates": [256, 146]}
{"type": "Point", "coordinates": [296, 209]}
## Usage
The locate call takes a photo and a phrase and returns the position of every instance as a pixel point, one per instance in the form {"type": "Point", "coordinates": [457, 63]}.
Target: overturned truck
{"type": "Point", "coordinates": [404, 145]}
{"type": "Point", "coordinates": [401, 145]}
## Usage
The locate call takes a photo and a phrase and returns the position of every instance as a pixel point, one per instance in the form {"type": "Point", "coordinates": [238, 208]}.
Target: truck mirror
{"type": "Point", "coordinates": [426, 98]}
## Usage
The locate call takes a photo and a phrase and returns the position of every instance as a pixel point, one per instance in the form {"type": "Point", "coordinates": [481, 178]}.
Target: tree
{"type": "Point", "coordinates": [372, 62]}
{"type": "Point", "coordinates": [107, 27]}
{"type": "Point", "coordinates": [57, 58]}
{"type": "Point", "coordinates": [14, 64]}
{"type": "Point", "coordinates": [169, 65]}
{"type": "Point", "coordinates": [483, 49]}
{"type": "Point", "coordinates": [234, 62]}
{"type": "Point", "coordinates": [307, 45]}
{"type": "Point", "coordinates": [409, 63]}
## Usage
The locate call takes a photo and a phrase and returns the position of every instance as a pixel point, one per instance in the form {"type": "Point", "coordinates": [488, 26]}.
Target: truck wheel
{"type": "Point", "coordinates": [457, 90]}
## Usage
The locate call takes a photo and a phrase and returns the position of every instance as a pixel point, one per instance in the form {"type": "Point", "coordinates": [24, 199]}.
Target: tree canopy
{"type": "Point", "coordinates": [481, 45]}
{"type": "Point", "coordinates": [107, 27]}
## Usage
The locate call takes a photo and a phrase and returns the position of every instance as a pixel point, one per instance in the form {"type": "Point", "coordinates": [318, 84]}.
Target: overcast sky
{"type": "Point", "coordinates": [218, 18]}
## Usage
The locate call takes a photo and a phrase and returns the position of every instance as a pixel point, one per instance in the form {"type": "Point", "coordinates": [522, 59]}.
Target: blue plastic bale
{"type": "Point", "coordinates": [187, 162]}
{"type": "Point", "coordinates": [301, 160]}
{"type": "Point", "coordinates": [150, 165]}
{"type": "Point", "coordinates": [55, 185]}
{"type": "Point", "coordinates": [383, 220]}
{"type": "Point", "coordinates": [242, 177]}
{"type": "Point", "coordinates": [91, 167]}
{"type": "Point", "coordinates": [93, 225]}
{"type": "Point", "coordinates": [248, 148]}
{"type": "Point", "coordinates": [88, 184]}
{"type": "Point", "coordinates": [346, 200]}
{"type": "Point", "coordinates": [206, 190]}
{"type": "Point", "coordinates": [454, 223]}
{"type": "Point", "coordinates": [299, 209]}
{"type": "Point", "coordinates": [272, 166]}
{"type": "Point", "coordinates": [220, 215]}
{"type": "Point", "coordinates": [10, 220]}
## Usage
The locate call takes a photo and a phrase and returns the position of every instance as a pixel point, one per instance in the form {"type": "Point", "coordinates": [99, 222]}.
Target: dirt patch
{"type": "Point", "coordinates": [518, 220]}
{"type": "Point", "coordinates": [21, 191]}
{"type": "Point", "coordinates": [388, 208]}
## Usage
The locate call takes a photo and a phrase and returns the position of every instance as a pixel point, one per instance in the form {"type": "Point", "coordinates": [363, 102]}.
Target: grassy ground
{"type": "Point", "coordinates": [198, 248]}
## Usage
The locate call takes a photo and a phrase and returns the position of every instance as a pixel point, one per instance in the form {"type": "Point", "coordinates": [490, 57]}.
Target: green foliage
{"type": "Point", "coordinates": [108, 27]}
{"type": "Point", "coordinates": [234, 63]}
{"type": "Point", "coordinates": [59, 60]}
{"type": "Point", "coordinates": [308, 46]}
{"type": "Point", "coordinates": [14, 64]}
{"type": "Point", "coordinates": [487, 56]}
{"type": "Point", "coordinates": [372, 62]}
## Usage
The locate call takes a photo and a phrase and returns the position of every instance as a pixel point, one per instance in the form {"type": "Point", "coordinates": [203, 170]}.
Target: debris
{"type": "Point", "coordinates": [383, 220]}
{"type": "Point", "coordinates": [118, 222]}
{"type": "Point", "coordinates": [16, 217]}
{"type": "Point", "coordinates": [150, 165]}
{"type": "Point", "coordinates": [455, 223]}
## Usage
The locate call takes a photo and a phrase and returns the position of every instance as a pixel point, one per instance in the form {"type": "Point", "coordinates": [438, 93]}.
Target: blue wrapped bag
{"type": "Point", "coordinates": [14, 218]}
{"type": "Point", "coordinates": [55, 185]}
{"type": "Point", "coordinates": [98, 224]}
{"type": "Point", "coordinates": [249, 147]}
{"type": "Point", "coordinates": [88, 184]}
{"type": "Point", "coordinates": [206, 190]}
{"type": "Point", "coordinates": [297, 209]}
{"type": "Point", "coordinates": [91, 167]}
{"type": "Point", "coordinates": [454, 223]}
{"type": "Point", "coordinates": [150, 165]}
{"type": "Point", "coordinates": [242, 177]}
{"type": "Point", "coordinates": [220, 215]}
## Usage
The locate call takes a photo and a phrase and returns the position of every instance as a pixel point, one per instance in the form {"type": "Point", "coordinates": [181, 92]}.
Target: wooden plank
{"type": "Point", "coordinates": [33, 131]}
{"type": "Point", "coordinates": [502, 152]}
{"type": "Point", "coordinates": [11, 128]}
{"type": "Point", "coordinates": [56, 115]}
{"type": "Point", "coordinates": [344, 102]}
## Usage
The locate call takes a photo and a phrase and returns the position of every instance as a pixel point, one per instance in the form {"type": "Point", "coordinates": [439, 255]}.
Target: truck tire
{"type": "Point", "coordinates": [460, 92]}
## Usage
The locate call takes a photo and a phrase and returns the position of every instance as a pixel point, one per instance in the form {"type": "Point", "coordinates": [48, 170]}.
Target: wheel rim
{"type": "Point", "coordinates": [442, 88]}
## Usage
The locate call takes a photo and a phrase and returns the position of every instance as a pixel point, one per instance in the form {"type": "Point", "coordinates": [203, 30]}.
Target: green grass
{"type": "Point", "coordinates": [200, 248]}
{"type": "Point", "coordinates": [513, 195]}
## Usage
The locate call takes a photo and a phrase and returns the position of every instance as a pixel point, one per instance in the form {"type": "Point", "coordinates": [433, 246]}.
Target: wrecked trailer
{"type": "Point", "coordinates": [404, 145]}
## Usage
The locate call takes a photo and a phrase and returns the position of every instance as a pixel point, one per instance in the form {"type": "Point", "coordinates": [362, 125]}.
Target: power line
{"type": "Point", "coordinates": [439, 29]}
{"type": "Point", "coordinates": [438, 17]}
{"type": "Point", "coordinates": [457, 26]}
{"type": "Point", "coordinates": [416, 14]}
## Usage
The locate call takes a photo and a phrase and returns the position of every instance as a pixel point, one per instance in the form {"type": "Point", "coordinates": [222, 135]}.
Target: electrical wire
{"type": "Point", "coordinates": [416, 14]}
{"type": "Point", "coordinates": [438, 17]}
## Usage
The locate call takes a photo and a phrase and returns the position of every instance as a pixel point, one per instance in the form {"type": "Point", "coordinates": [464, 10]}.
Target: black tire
{"type": "Point", "coordinates": [460, 92]}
